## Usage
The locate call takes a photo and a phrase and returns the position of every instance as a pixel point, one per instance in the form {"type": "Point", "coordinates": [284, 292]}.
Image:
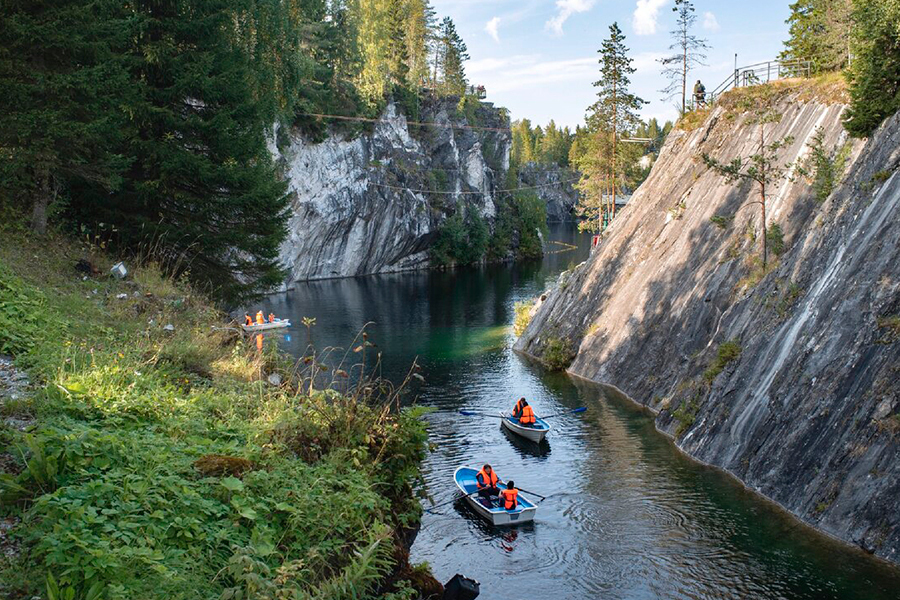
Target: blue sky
{"type": "Point", "coordinates": [539, 57]}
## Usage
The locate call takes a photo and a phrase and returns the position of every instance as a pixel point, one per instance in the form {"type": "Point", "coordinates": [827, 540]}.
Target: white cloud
{"type": "Point", "coordinates": [710, 22]}
{"type": "Point", "coordinates": [646, 15]}
{"type": "Point", "coordinates": [565, 9]}
{"type": "Point", "coordinates": [491, 28]}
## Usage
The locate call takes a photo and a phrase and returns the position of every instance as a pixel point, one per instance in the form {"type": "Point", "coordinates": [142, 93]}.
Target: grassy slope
{"type": "Point", "coordinates": [108, 490]}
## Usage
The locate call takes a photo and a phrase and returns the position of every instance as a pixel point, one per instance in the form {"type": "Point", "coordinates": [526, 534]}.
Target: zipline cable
{"type": "Point", "coordinates": [418, 123]}
{"type": "Point", "coordinates": [519, 189]}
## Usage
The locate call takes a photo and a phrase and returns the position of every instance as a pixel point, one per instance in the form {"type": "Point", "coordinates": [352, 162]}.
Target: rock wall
{"type": "Point", "coordinates": [808, 413]}
{"type": "Point", "coordinates": [555, 186]}
{"type": "Point", "coordinates": [373, 203]}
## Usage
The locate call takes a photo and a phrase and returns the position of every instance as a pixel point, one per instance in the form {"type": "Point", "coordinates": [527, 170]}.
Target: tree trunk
{"type": "Point", "coordinates": [765, 242]}
{"type": "Point", "coordinates": [41, 200]}
{"type": "Point", "coordinates": [684, 72]}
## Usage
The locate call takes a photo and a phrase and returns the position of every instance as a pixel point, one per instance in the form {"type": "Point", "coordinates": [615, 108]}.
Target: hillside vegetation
{"type": "Point", "coordinates": [159, 462]}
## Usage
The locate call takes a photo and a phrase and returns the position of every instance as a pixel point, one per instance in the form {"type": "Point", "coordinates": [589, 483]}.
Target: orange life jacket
{"type": "Point", "coordinates": [517, 411]}
{"type": "Point", "coordinates": [260, 319]}
{"type": "Point", "coordinates": [509, 498]}
{"type": "Point", "coordinates": [249, 320]}
{"type": "Point", "coordinates": [527, 417]}
{"type": "Point", "coordinates": [483, 480]}
{"type": "Point", "coordinates": [271, 318]}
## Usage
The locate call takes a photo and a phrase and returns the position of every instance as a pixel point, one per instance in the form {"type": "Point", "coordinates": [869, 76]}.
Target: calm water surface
{"type": "Point", "coordinates": [627, 516]}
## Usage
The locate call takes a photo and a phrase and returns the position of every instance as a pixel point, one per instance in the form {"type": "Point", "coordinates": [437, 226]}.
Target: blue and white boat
{"type": "Point", "coordinates": [535, 433]}
{"type": "Point", "coordinates": [523, 513]}
{"type": "Point", "coordinates": [268, 325]}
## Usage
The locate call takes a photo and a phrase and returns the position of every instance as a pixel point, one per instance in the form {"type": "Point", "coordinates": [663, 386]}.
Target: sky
{"type": "Point", "coordinates": [538, 58]}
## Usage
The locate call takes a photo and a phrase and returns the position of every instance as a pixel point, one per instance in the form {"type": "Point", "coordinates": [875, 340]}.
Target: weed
{"type": "Point", "coordinates": [727, 352]}
{"type": "Point", "coordinates": [881, 176]}
{"type": "Point", "coordinates": [722, 221]}
{"type": "Point", "coordinates": [775, 238]}
{"type": "Point", "coordinates": [523, 315]}
{"type": "Point", "coordinates": [891, 325]}
{"type": "Point", "coordinates": [558, 354]}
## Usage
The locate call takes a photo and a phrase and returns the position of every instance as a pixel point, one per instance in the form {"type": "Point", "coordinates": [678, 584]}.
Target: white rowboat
{"type": "Point", "coordinates": [536, 433]}
{"type": "Point", "coordinates": [276, 324]}
{"type": "Point", "coordinates": [465, 481]}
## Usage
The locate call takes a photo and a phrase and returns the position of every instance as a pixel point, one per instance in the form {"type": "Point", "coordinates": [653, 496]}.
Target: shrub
{"type": "Point", "coordinates": [775, 239]}
{"type": "Point", "coordinates": [728, 352]}
{"type": "Point", "coordinates": [722, 221]}
{"type": "Point", "coordinates": [523, 315]}
{"type": "Point", "coordinates": [558, 354]}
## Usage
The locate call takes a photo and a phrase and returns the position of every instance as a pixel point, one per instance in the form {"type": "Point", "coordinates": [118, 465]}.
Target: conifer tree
{"type": "Point", "coordinates": [820, 33]}
{"type": "Point", "coordinates": [453, 54]}
{"type": "Point", "coordinates": [690, 52]}
{"type": "Point", "coordinates": [64, 81]}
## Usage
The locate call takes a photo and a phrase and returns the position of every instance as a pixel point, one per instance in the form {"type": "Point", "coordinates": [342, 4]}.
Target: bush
{"type": "Point", "coordinates": [558, 354]}
{"type": "Point", "coordinates": [775, 239]}
{"type": "Point", "coordinates": [462, 239]}
{"type": "Point", "coordinates": [523, 315]}
{"type": "Point", "coordinates": [727, 353]}
{"type": "Point", "coordinates": [532, 223]}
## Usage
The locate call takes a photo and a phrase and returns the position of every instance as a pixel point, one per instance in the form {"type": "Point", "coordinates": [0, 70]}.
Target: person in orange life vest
{"type": "Point", "coordinates": [517, 411]}
{"type": "Point", "coordinates": [509, 498]}
{"type": "Point", "coordinates": [260, 319]}
{"type": "Point", "coordinates": [248, 319]}
{"type": "Point", "coordinates": [271, 317]}
{"type": "Point", "coordinates": [527, 419]}
{"type": "Point", "coordinates": [487, 481]}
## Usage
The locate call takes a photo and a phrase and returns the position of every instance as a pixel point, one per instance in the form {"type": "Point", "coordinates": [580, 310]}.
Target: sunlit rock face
{"type": "Point", "coordinates": [555, 186]}
{"type": "Point", "coordinates": [807, 414]}
{"type": "Point", "coordinates": [373, 203]}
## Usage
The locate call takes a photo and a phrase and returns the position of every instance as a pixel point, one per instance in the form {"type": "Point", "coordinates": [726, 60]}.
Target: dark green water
{"type": "Point", "coordinates": [628, 516]}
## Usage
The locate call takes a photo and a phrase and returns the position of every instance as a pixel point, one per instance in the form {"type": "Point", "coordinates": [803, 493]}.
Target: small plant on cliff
{"type": "Point", "coordinates": [823, 167]}
{"type": "Point", "coordinates": [775, 239]}
{"type": "Point", "coordinates": [728, 352]}
{"type": "Point", "coordinates": [558, 354]}
{"type": "Point", "coordinates": [722, 221]}
{"type": "Point", "coordinates": [523, 315]}
{"type": "Point", "coordinates": [761, 168]}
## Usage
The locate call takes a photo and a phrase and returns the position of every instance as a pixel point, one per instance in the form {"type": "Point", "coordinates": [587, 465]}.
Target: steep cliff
{"type": "Point", "coordinates": [789, 379]}
{"type": "Point", "coordinates": [373, 203]}
{"type": "Point", "coordinates": [553, 185]}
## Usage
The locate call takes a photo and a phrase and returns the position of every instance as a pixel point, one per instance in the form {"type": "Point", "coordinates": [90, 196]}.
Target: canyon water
{"type": "Point", "coordinates": [626, 515]}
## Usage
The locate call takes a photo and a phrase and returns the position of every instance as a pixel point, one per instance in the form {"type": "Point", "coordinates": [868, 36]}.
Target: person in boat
{"type": "Point", "coordinates": [271, 317]}
{"type": "Point", "coordinates": [509, 498]}
{"type": "Point", "coordinates": [487, 482]}
{"type": "Point", "coordinates": [524, 413]}
{"type": "Point", "coordinates": [247, 319]}
{"type": "Point", "coordinates": [260, 318]}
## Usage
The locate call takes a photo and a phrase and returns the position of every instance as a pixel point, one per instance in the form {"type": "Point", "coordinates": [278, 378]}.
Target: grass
{"type": "Point", "coordinates": [164, 466]}
{"type": "Point", "coordinates": [891, 326]}
{"type": "Point", "coordinates": [727, 353]}
{"type": "Point", "coordinates": [693, 119]}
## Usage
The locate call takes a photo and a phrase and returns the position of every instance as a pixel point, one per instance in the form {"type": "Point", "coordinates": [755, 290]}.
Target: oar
{"type": "Point", "coordinates": [471, 413]}
{"type": "Point", "coordinates": [457, 499]}
{"type": "Point", "coordinates": [568, 412]}
{"type": "Point", "coordinates": [532, 493]}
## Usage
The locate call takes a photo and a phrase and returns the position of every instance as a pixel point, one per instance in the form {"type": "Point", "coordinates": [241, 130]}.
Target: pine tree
{"type": "Point", "coordinates": [202, 190]}
{"type": "Point", "coordinates": [64, 81]}
{"type": "Point", "coordinates": [453, 54]}
{"type": "Point", "coordinates": [609, 118]}
{"type": "Point", "coordinates": [690, 52]}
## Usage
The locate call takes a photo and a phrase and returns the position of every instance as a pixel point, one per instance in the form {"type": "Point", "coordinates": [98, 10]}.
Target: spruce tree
{"type": "Point", "coordinates": [202, 191]}
{"type": "Point", "coordinates": [690, 52]}
{"type": "Point", "coordinates": [454, 54]}
{"type": "Point", "coordinates": [820, 33]}
{"type": "Point", "coordinates": [65, 85]}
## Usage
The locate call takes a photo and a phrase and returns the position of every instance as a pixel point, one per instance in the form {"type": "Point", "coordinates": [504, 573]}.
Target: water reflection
{"type": "Point", "coordinates": [627, 515]}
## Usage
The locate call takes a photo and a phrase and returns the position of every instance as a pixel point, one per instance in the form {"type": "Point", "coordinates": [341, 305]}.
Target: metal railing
{"type": "Point", "coordinates": [760, 73]}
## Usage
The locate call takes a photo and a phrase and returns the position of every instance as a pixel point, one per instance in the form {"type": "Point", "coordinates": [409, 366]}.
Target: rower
{"type": "Point", "coordinates": [248, 320]}
{"type": "Point", "coordinates": [517, 411]}
{"type": "Point", "coordinates": [260, 318]}
{"type": "Point", "coordinates": [487, 481]}
{"type": "Point", "coordinates": [524, 413]}
{"type": "Point", "coordinates": [509, 498]}
{"type": "Point", "coordinates": [271, 317]}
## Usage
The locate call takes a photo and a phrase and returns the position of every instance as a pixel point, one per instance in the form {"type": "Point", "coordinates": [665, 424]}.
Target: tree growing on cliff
{"type": "Point", "coordinates": [613, 115]}
{"type": "Point", "coordinates": [453, 53]}
{"type": "Point", "coordinates": [820, 33]}
{"type": "Point", "coordinates": [761, 168]}
{"type": "Point", "coordinates": [874, 75]}
{"type": "Point", "coordinates": [689, 53]}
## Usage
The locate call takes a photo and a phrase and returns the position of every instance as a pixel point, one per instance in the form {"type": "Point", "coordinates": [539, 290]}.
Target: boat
{"type": "Point", "coordinates": [465, 481]}
{"type": "Point", "coordinates": [276, 324]}
{"type": "Point", "coordinates": [536, 433]}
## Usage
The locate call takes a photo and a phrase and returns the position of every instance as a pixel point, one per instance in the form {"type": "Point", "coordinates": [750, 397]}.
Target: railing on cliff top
{"type": "Point", "coordinates": [759, 73]}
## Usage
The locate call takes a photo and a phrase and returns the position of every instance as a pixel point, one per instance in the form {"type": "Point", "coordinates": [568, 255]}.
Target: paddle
{"type": "Point", "coordinates": [472, 413]}
{"type": "Point", "coordinates": [457, 499]}
{"type": "Point", "coordinates": [532, 493]}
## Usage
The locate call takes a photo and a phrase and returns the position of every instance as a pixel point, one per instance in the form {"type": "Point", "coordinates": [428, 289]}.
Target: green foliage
{"type": "Point", "coordinates": [728, 352]}
{"type": "Point", "coordinates": [775, 239]}
{"type": "Point", "coordinates": [558, 353]}
{"type": "Point", "coordinates": [722, 221]}
{"type": "Point", "coordinates": [451, 56]}
{"type": "Point", "coordinates": [686, 413]}
{"type": "Point", "coordinates": [467, 108]}
{"type": "Point", "coordinates": [531, 223]}
{"type": "Point", "coordinates": [115, 500]}
{"type": "Point", "coordinates": [789, 298]}
{"type": "Point", "coordinates": [819, 32]}
{"type": "Point", "coordinates": [874, 75]}
{"type": "Point", "coordinates": [523, 315]}
{"type": "Point", "coordinates": [462, 239]}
